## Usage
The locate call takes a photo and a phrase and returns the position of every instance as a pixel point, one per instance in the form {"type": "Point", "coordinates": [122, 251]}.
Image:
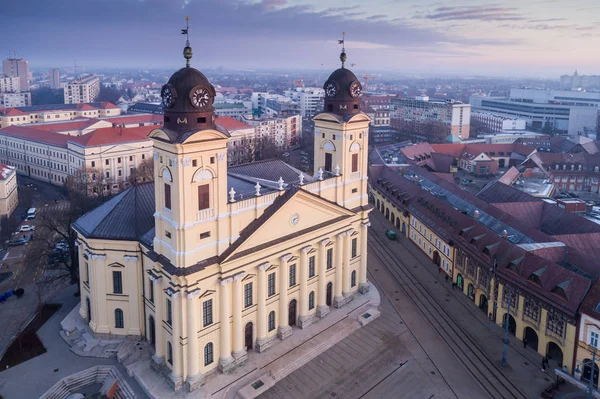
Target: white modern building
{"type": "Point", "coordinates": [498, 123]}
{"type": "Point", "coordinates": [21, 115]}
{"type": "Point", "coordinates": [310, 99]}
{"type": "Point", "coordinates": [17, 67]}
{"type": "Point", "coordinates": [284, 131]}
{"type": "Point", "coordinates": [9, 84]}
{"type": "Point", "coordinates": [10, 100]}
{"type": "Point", "coordinates": [85, 89]}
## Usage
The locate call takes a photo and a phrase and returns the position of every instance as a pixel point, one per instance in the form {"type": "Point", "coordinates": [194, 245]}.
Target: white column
{"type": "Point", "coordinates": [159, 339]}
{"type": "Point", "coordinates": [99, 323]}
{"type": "Point", "coordinates": [239, 352]}
{"type": "Point", "coordinates": [304, 320]}
{"type": "Point", "coordinates": [338, 299]}
{"type": "Point", "coordinates": [262, 341]}
{"type": "Point", "coordinates": [176, 377]}
{"type": "Point", "coordinates": [363, 284]}
{"type": "Point", "coordinates": [346, 269]}
{"type": "Point", "coordinates": [194, 377]}
{"type": "Point", "coordinates": [225, 361]}
{"type": "Point", "coordinates": [322, 308]}
{"type": "Point", "coordinates": [285, 330]}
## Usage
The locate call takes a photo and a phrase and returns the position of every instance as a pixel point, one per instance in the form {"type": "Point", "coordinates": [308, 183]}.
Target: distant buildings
{"type": "Point", "coordinates": [9, 84]}
{"type": "Point", "coordinates": [576, 81]}
{"type": "Point", "coordinates": [496, 123]}
{"type": "Point", "coordinates": [21, 115]}
{"type": "Point", "coordinates": [9, 100]}
{"type": "Point", "coordinates": [236, 110]}
{"type": "Point", "coordinates": [572, 112]}
{"type": "Point", "coordinates": [8, 190]}
{"type": "Point", "coordinates": [17, 67]}
{"type": "Point", "coordinates": [378, 109]}
{"type": "Point", "coordinates": [310, 99]}
{"type": "Point", "coordinates": [85, 89]}
{"type": "Point", "coordinates": [431, 120]}
{"type": "Point", "coordinates": [283, 131]}
{"type": "Point", "coordinates": [54, 78]}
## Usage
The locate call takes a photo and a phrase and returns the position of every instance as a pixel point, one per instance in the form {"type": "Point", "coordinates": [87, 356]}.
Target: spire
{"type": "Point", "coordinates": [343, 54]}
{"type": "Point", "coordinates": [187, 50]}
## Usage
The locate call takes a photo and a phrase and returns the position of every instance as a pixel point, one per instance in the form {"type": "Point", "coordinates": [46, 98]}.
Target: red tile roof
{"type": "Point", "coordinates": [85, 107]}
{"type": "Point", "coordinates": [140, 118]}
{"type": "Point", "coordinates": [5, 171]}
{"type": "Point", "coordinates": [231, 124]}
{"type": "Point", "coordinates": [75, 124]}
{"type": "Point", "coordinates": [11, 112]}
{"type": "Point", "coordinates": [107, 105]}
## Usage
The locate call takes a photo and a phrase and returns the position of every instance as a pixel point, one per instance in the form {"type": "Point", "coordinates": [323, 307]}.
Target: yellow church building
{"type": "Point", "coordinates": [209, 262]}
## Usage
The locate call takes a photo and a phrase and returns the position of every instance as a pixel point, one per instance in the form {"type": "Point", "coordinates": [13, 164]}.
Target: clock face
{"type": "Point", "coordinates": [331, 89]}
{"type": "Point", "coordinates": [168, 96]}
{"type": "Point", "coordinates": [294, 219]}
{"type": "Point", "coordinates": [200, 97]}
{"type": "Point", "coordinates": [355, 89]}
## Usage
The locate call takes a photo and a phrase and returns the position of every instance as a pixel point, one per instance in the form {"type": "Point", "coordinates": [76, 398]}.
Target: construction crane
{"type": "Point", "coordinates": [367, 78]}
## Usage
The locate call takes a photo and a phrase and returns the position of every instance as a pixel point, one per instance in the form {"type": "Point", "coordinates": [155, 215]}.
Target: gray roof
{"type": "Point", "coordinates": [270, 169]}
{"type": "Point", "coordinates": [128, 216]}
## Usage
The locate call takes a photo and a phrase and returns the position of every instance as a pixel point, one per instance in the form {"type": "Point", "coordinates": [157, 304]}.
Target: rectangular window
{"type": "Point", "coordinates": [271, 284]}
{"type": "Point", "coordinates": [194, 163]}
{"type": "Point", "coordinates": [594, 339]}
{"type": "Point", "coordinates": [167, 234]}
{"type": "Point", "coordinates": [247, 295]}
{"type": "Point", "coordinates": [203, 197]}
{"type": "Point", "coordinates": [151, 290]}
{"type": "Point", "coordinates": [329, 258]}
{"type": "Point", "coordinates": [107, 162]}
{"type": "Point", "coordinates": [169, 312]}
{"type": "Point", "coordinates": [212, 160]}
{"type": "Point", "coordinates": [354, 243]}
{"type": "Point", "coordinates": [117, 282]}
{"type": "Point", "coordinates": [271, 321]}
{"type": "Point", "coordinates": [93, 164]}
{"type": "Point", "coordinates": [206, 234]}
{"type": "Point", "coordinates": [292, 275]}
{"type": "Point", "coordinates": [119, 160]}
{"type": "Point", "coordinates": [87, 272]}
{"type": "Point", "coordinates": [311, 267]}
{"type": "Point", "coordinates": [207, 316]}
{"type": "Point", "coordinates": [131, 158]}
{"type": "Point", "coordinates": [167, 196]}
{"type": "Point", "coordinates": [354, 162]}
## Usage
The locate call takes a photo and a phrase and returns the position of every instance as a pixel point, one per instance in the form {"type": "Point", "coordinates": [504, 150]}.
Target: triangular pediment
{"type": "Point", "coordinates": [301, 213]}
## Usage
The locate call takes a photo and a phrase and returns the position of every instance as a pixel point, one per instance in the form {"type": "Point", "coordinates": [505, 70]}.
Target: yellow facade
{"type": "Point", "coordinates": [587, 344]}
{"type": "Point", "coordinates": [239, 273]}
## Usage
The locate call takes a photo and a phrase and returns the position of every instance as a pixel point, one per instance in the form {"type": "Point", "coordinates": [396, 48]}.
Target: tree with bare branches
{"type": "Point", "coordinates": [143, 173]}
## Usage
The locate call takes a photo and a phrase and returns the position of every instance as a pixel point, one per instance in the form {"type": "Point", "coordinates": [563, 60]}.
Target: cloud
{"type": "Point", "coordinates": [481, 13]}
{"type": "Point", "coordinates": [271, 4]}
{"type": "Point", "coordinates": [547, 20]}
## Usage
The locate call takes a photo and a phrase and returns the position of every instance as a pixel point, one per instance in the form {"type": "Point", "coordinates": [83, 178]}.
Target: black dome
{"type": "Point", "coordinates": [342, 103]}
{"type": "Point", "coordinates": [182, 116]}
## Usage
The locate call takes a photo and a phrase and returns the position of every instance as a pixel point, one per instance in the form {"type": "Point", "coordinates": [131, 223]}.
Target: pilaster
{"type": "Point", "coordinates": [226, 362]}
{"type": "Point", "coordinates": [285, 330]}
{"type": "Point", "coordinates": [176, 376]}
{"type": "Point", "coordinates": [262, 342]}
{"type": "Point", "coordinates": [194, 377]}
{"type": "Point", "coordinates": [239, 352]}
{"type": "Point", "coordinates": [158, 359]}
{"type": "Point", "coordinates": [363, 284]}
{"type": "Point", "coordinates": [338, 299]}
{"type": "Point", "coordinates": [322, 308]}
{"type": "Point", "coordinates": [304, 320]}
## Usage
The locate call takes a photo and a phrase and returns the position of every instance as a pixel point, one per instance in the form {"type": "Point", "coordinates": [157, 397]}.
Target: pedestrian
{"type": "Point", "coordinates": [490, 316]}
{"type": "Point", "coordinates": [544, 363]}
{"type": "Point", "coordinates": [446, 278]}
{"type": "Point", "coordinates": [524, 343]}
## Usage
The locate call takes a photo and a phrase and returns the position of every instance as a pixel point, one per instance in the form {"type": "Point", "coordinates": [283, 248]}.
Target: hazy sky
{"type": "Point", "coordinates": [510, 37]}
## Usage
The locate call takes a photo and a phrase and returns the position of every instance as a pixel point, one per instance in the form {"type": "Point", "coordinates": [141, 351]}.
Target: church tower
{"type": "Point", "coordinates": [190, 171]}
{"type": "Point", "coordinates": [341, 136]}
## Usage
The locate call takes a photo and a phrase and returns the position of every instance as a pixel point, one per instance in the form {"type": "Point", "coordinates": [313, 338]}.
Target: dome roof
{"type": "Point", "coordinates": [340, 100]}
{"type": "Point", "coordinates": [183, 81]}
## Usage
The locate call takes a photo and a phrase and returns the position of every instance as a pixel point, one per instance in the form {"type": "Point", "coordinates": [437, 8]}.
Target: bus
{"type": "Point", "coordinates": [31, 213]}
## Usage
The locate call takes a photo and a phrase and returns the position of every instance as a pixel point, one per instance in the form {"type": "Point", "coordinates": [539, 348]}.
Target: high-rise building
{"type": "Point", "coordinates": [9, 84]}
{"type": "Point", "coordinates": [11, 100]}
{"type": "Point", "coordinates": [310, 99]}
{"type": "Point", "coordinates": [85, 89]}
{"type": "Point", "coordinates": [17, 67]}
{"type": "Point", "coordinates": [54, 77]}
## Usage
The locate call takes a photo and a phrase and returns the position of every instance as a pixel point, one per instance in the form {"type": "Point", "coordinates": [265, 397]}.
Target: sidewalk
{"type": "Point", "coordinates": [34, 377]}
{"type": "Point", "coordinates": [276, 363]}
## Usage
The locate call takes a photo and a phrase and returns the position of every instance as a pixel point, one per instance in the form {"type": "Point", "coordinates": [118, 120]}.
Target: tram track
{"type": "Point", "coordinates": [488, 375]}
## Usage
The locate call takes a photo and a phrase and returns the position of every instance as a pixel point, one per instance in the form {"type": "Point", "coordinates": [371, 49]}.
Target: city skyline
{"type": "Point", "coordinates": [483, 37]}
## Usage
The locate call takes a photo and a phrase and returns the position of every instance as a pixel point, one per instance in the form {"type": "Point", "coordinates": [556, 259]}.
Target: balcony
{"type": "Point", "coordinates": [206, 214]}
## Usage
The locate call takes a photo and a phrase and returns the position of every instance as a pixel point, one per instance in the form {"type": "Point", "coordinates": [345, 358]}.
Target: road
{"type": "Point", "coordinates": [430, 341]}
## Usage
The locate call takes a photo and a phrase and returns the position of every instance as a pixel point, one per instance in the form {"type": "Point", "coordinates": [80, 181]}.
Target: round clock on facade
{"type": "Point", "coordinates": [355, 89]}
{"type": "Point", "coordinates": [294, 219]}
{"type": "Point", "coordinates": [168, 96]}
{"type": "Point", "coordinates": [200, 97]}
{"type": "Point", "coordinates": [331, 89]}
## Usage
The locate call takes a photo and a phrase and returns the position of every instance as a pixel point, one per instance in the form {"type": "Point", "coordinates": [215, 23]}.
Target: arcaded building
{"type": "Point", "coordinates": [209, 262]}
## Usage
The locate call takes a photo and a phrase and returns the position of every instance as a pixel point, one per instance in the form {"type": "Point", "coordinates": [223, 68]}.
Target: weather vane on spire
{"type": "Point", "coordinates": [342, 42]}
{"type": "Point", "coordinates": [187, 51]}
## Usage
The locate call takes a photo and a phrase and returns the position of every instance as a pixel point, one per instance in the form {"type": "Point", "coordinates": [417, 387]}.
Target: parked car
{"type": "Point", "coordinates": [304, 153]}
{"type": "Point", "coordinates": [17, 242]}
{"type": "Point", "coordinates": [56, 256]}
{"type": "Point", "coordinates": [27, 227]}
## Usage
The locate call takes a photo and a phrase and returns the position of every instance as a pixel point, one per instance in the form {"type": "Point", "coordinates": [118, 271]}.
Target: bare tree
{"type": "Point", "coordinates": [265, 148]}
{"type": "Point", "coordinates": [8, 225]}
{"type": "Point", "coordinates": [144, 172]}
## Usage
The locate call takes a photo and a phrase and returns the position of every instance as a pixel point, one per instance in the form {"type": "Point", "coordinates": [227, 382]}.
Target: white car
{"type": "Point", "coordinates": [27, 227]}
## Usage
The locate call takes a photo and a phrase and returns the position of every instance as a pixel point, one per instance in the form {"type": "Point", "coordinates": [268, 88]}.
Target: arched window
{"type": "Point", "coordinates": [353, 279]}
{"type": "Point", "coordinates": [119, 323]}
{"type": "Point", "coordinates": [208, 354]}
{"type": "Point", "coordinates": [170, 353]}
{"type": "Point", "coordinates": [272, 320]}
{"type": "Point", "coordinates": [311, 300]}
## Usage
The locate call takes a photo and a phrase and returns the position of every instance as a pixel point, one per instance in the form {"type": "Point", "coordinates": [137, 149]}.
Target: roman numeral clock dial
{"type": "Point", "coordinates": [200, 97]}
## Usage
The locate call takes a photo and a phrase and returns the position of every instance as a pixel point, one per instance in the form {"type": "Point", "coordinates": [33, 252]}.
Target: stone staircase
{"type": "Point", "coordinates": [104, 375]}
{"type": "Point", "coordinates": [130, 353]}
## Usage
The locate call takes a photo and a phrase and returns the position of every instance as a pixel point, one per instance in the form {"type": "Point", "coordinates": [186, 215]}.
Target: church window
{"type": "Point", "coordinates": [311, 266]}
{"type": "Point", "coordinates": [354, 190]}
{"type": "Point", "coordinates": [167, 234]}
{"type": "Point", "coordinates": [247, 295]}
{"type": "Point", "coordinates": [117, 282]}
{"type": "Point", "coordinates": [203, 197]}
{"type": "Point", "coordinates": [333, 136]}
{"type": "Point", "coordinates": [354, 247]}
{"type": "Point", "coordinates": [212, 160]}
{"type": "Point", "coordinates": [206, 234]}
{"type": "Point", "coordinates": [194, 162]}
{"type": "Point", "coordinates": [119, 322]}
{"type": "Point", "coordinates": [354, 162]}
{"type": "Point", "coordinates": [207, 313]}
{"type": "Point", "coordinates": [272, 320]}
{"type": "Point", "coordinates": [329, 258]}
{"type": "Point", "coordinates": [151, 290]}
{"type": "Point", "coordinates": [311, 300]}
{"type": "Point", "coordinates": [353, 279]}
{"type": "Point", "coordinates": [271, 284]}
{"type": "Point", "coordinates": [208, 354]}
{"type": "Point", "coordinates": [323, 134]}
{"type": "Point", "coordinates": [107, 162]}
{"type": "Point", "coordinates": [292, 275]}
{"type": "Point", "coordinates": [167, 196]}
{"type": "Point", "coordinates": [169, 312]}
{"type": "Point", "coordinates": [169, 353]}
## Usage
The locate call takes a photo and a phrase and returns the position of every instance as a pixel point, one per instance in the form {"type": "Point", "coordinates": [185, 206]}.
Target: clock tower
{"type": "Point", "coordinates": [341, 135]}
